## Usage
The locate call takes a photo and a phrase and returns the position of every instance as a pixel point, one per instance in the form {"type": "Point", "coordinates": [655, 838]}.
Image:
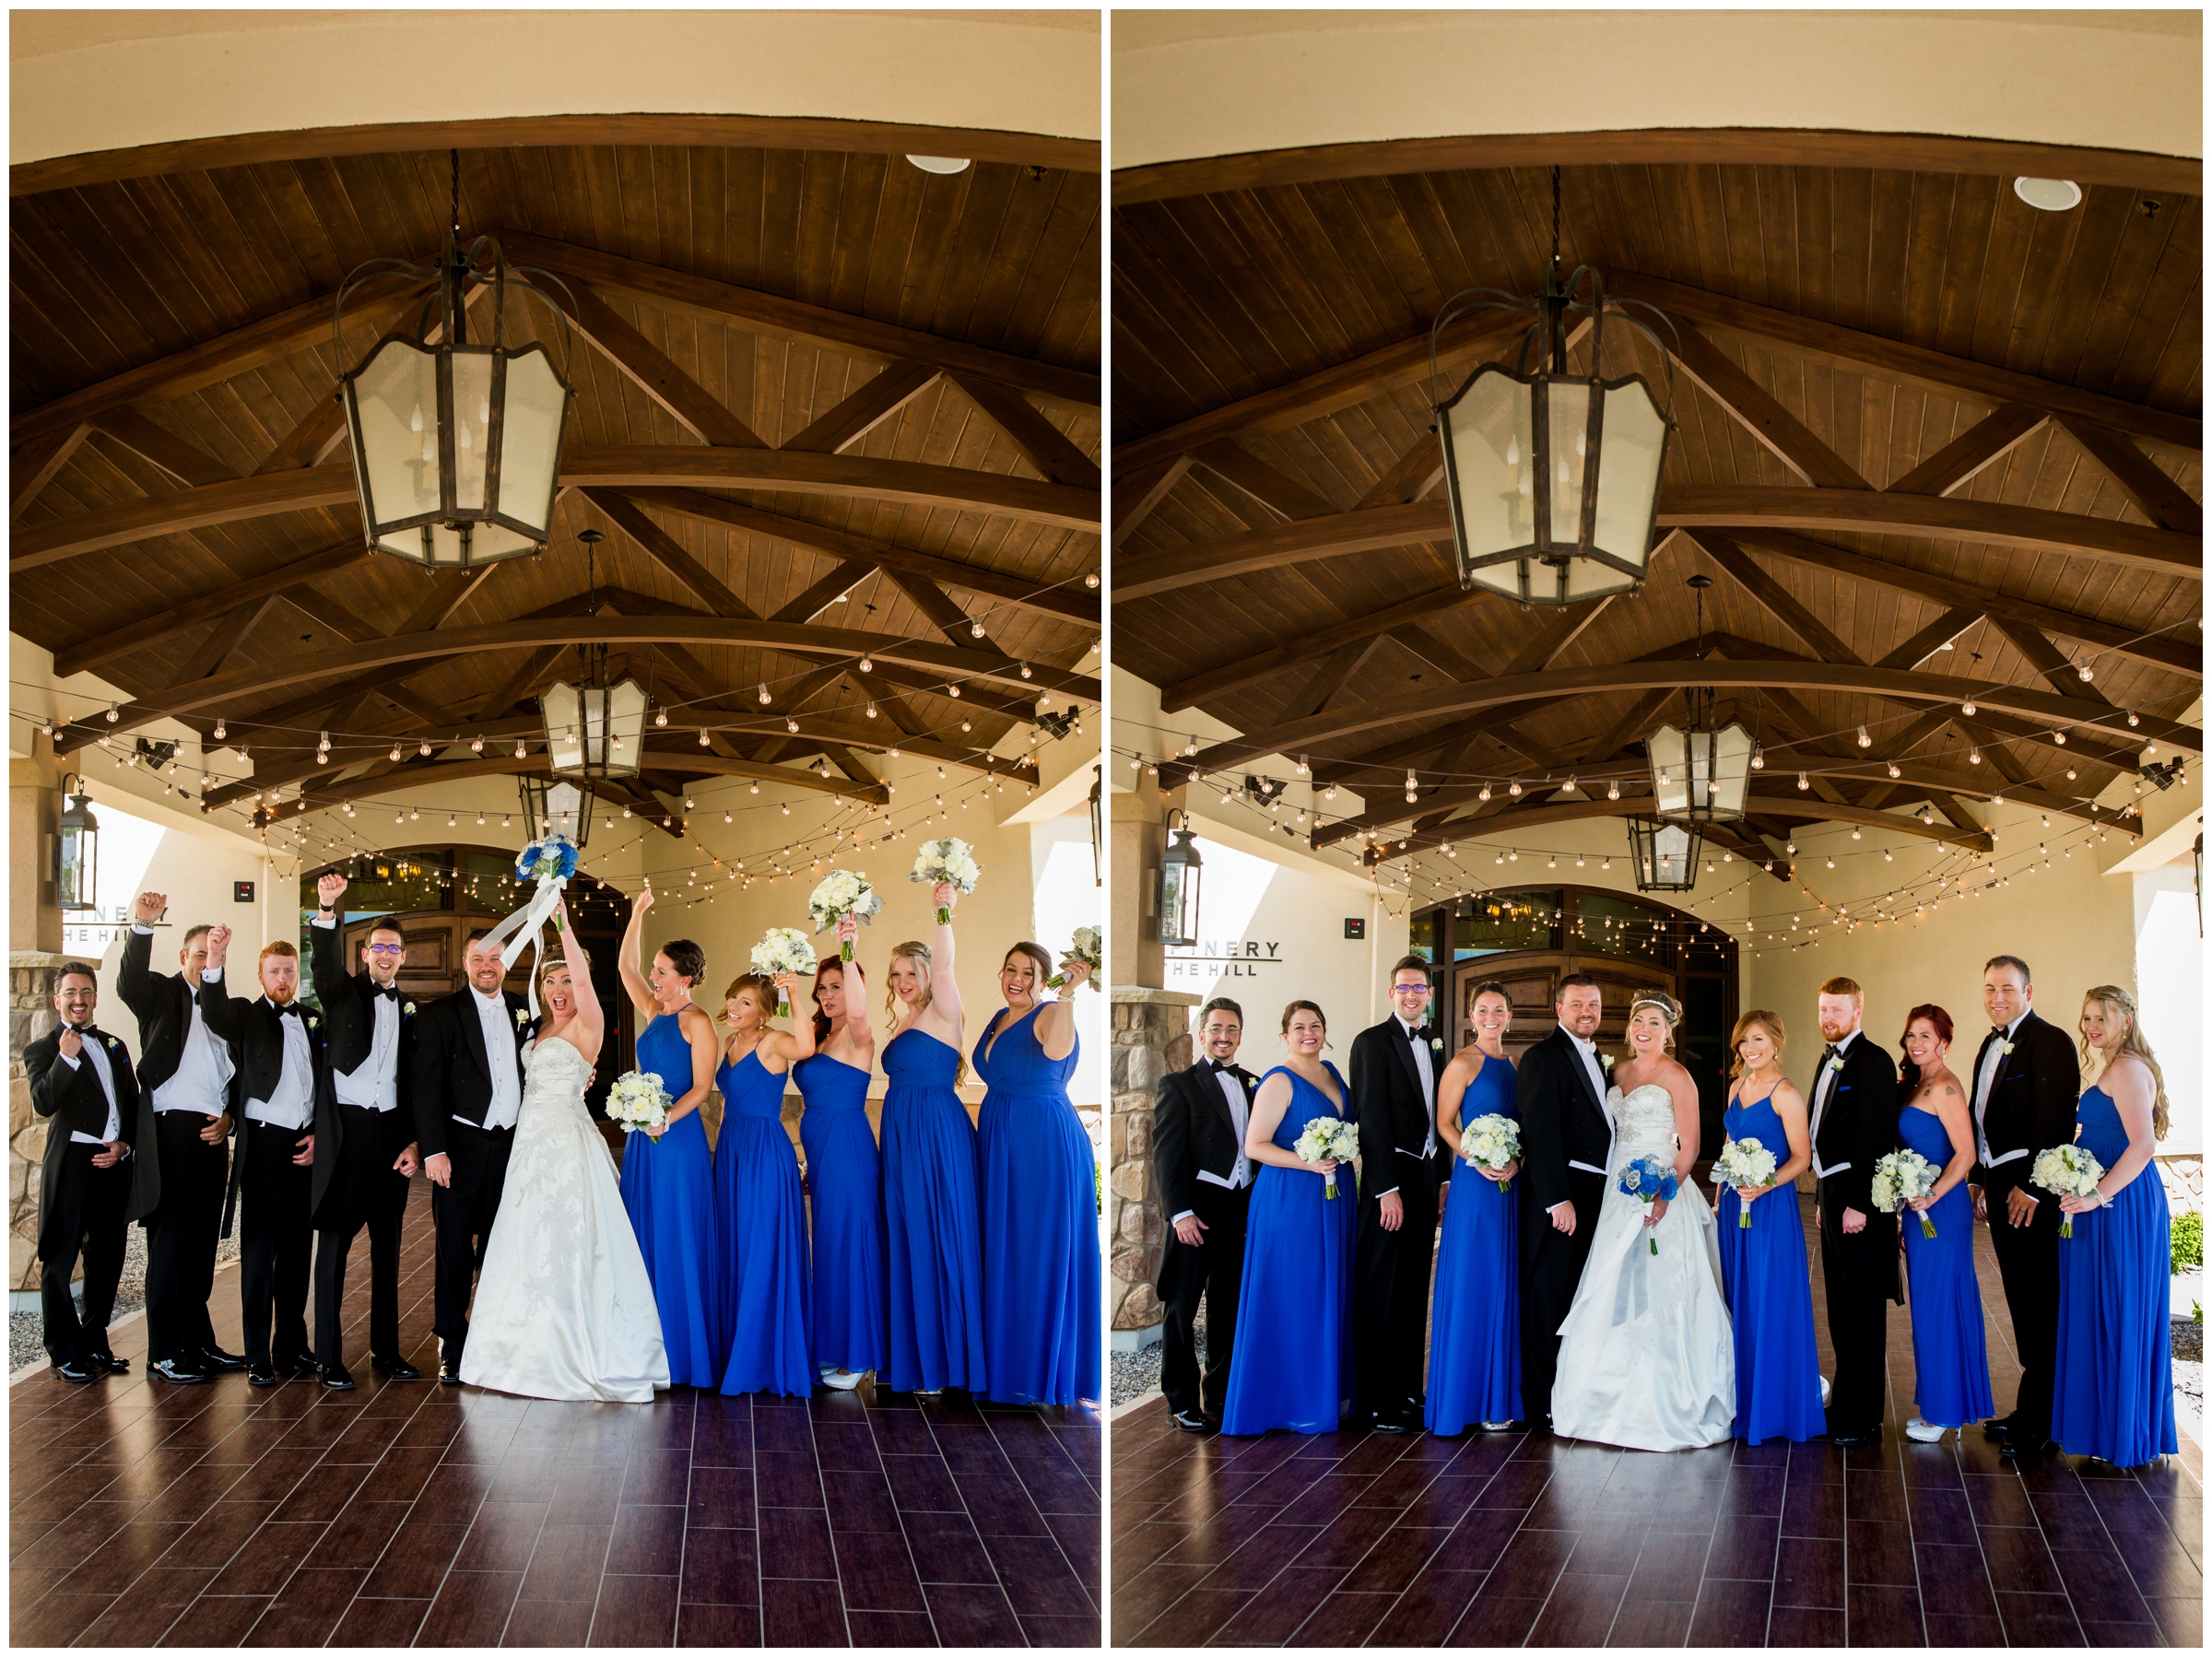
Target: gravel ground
{"type": "Point", "coordinates": [1137, 1373]}
{"type": "Point", "coordinates": [24, 1345]}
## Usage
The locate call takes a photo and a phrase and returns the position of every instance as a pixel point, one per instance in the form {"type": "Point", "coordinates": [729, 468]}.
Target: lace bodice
{"type": "Point", "coordinates": [1644, 1123]}
{"type": "Point", "coordinates": [554, 1072]}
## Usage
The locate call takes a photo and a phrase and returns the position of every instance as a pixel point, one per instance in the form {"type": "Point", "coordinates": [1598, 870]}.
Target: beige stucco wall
{"type": "Point", "coordinates": [1193, 83]}
{"type": "Point", "coordinates": [94, 80]}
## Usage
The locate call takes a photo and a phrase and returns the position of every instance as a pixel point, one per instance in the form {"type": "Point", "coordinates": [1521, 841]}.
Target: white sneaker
{"type": "Point", "coordinates": [844, 1380]}
{"type": "Point", "coordinates": [1920, 1432]}
{"type": "Point", "coordinates": [1825, 1390]}
{"type": "Point", "coordinates": [1497, 1426]}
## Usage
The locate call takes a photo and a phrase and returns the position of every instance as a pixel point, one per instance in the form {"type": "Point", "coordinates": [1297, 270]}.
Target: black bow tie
{"type": "Point", "coordinates": [1217, 1065]}
{"type": "Point", "coordinates": [391, 994]}
{"type": "Point", "coordinates": [290, 1009]}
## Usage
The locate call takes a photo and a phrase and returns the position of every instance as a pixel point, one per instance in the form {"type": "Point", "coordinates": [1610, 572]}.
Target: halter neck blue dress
{"type": "Point", "coordinates": [931, 1219]}
{"type": "Point", "coordinates": [669, 1190]}
{"type": "Point", "coordinates": [844, 1176]}
{"type": "Point", "coordinates": [1770, 1289]}
{"type": "Point", "coordinates": [1475, 1308]}
{"type": "Point", "coordinates": [760, 1232]}
{"type": "Point", "coordinates": [1037, 1179]}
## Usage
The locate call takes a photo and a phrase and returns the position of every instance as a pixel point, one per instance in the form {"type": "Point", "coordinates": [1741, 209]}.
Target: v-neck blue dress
{"type": "Point", "coordinates": [931, 1224]}
{"type": "Point", "coordinates": [760, 1232]}
{"type": "Point", "coordinates": [669, 1189]}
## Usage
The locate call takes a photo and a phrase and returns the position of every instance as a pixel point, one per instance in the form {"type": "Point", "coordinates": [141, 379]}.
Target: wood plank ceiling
{"type": "Point", "coordinates": [1912, 413]}
{"type": "Point", "coordinates": [814, 387]}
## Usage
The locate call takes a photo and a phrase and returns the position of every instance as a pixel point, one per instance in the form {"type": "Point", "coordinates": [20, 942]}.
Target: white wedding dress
{"type": "Point", "coordinates": [564, 1308]}
{"type": "Point", "coordinates": [1647, 1355]}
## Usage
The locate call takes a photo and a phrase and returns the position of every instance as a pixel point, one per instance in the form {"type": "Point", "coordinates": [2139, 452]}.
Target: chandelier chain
{"type": "Point", "coordinates": [1555, 224]}
{"type": "Point", "coordinates": [456, 158]}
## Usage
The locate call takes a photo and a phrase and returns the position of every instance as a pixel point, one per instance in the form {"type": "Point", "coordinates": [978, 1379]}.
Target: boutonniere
{"type": "Point", "coordinates": [1606, 1059]}
{"type": "Point", "coordinates": [1836, 1064]}
{"type": "Point", "coordinates": [1436, 1044]}
{"type": "Point", "coordinates": [521, 1016]}
{"type": "Point", "coordinates": [114, 1044]}
{"type": "Point", "coordinates": [2006, 1048]}
{"type": "Point", "coordinates": [407, 1008]}
{"type": "Point", "coordinates": [313, 1022]}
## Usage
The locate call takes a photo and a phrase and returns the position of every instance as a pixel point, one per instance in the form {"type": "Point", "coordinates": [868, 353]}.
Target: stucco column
{"type": "Point", "coordinates": [1152, 1037]}
{"type": "Point", "coordinates": [1138, 836]}
{"type": "Point", "coordinates": [34, 815]}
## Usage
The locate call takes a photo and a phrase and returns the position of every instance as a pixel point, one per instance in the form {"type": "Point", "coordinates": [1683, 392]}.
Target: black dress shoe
{"type": "Point", "coordinates": [108, 1362]}
{"type": "Point", "coordinates": [216, 1359]}
{"type": "Point", "coordinates": [75, 1369]}
{"type": "Point", "coordinates": [1997, 1427]}
{"type": "Point", "coordinates": [1855, 1438]}
{"type": "Point", "coordinates": [260, 1375]}
{"type": "Point", "coordinates": [449, 1372]}
{"type": "Point", "coordinates": [1386, 1424]}
{"type": "Point", "coordinates": [395, 1368]}
{"type": "Point", "coordinates": [176, 1370]}
{"type": "Point", "coordinates": [1191, 1421]}
{"type": "Point", "coordinates": [338, 1378]}
{"type": "Point", "coordinates": [303, 1367]}
{"type": "Point", "coordinates": [2019, 1450]}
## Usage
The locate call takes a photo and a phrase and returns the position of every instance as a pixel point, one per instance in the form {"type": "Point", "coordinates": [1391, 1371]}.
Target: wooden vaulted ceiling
{"type": "Point", "coordinates": [1911, 412]}
{"type": "Point", "coordinates": [828, 406]}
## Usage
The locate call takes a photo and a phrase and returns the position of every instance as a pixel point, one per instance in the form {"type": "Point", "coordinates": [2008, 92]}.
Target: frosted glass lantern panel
{"type": "Point", "coordinates": [1731, 770]}
{"type": "Point", "coordinates": [1570, 451]}
{"type": "Point", "coordinates": [1492, 459]}
{"type": "Point", "coordinates": [1670, 849]}
{"type": "Point", "coordinates": [472, 428]}
{"type": "Point", "coordinates": [394, 410]}
{"type": "Point", "coordinates": [530, 442]}
{"type": "Point", "coordinates": [564, 726]}
{"type": "Point", "coordinates": [1633, 447]}
{"type": "Point", "coordinates": [1669, 753]}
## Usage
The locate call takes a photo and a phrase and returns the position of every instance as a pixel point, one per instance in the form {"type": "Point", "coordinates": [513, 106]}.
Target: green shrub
{"type": "Point", "coordinates": [2188, 1242]}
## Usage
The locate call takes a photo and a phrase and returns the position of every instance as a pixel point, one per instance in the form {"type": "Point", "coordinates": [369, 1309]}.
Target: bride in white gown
{"type": "Point", "coordinates": [1647, 1357]}
{"type": "Point", "coordinates": [563, 1307]}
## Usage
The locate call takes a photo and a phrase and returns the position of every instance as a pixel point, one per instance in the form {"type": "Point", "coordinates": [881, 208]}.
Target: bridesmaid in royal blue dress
{"type": "Point", "coordinates": [2114, 1396]}
{"type": "Point", "coordinates": [668, 1178]}
{"type": "Point", "coordinates": [759, 1208]}
{"type": "Point", "coordinates": [1950, 1352]}
{"type": "Point", "coordinates": [844, 1178]}
{"type": "Point", "coordinates": [1037, 1179]}
{"type": "Point", "coordinates": [932, 1220]}
{"type": "Point", "coordinates": [1763, 1268]}
{"type": "Point", "coordinates": [1293, 1362]}
{"type": "Point", "coordinates": [1475, 1316]}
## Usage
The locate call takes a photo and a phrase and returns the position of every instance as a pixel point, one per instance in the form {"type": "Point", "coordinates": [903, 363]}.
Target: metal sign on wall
{"type": "Point", "coordinates": [1238, 957]}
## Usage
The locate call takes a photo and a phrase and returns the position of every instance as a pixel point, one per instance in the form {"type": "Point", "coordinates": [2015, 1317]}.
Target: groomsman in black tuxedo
{"type": "Point", "coordinates": [2026, 1083]}
{"type": "Point", "coordinates": [1395, 1066]}
{"type": "Point", "coordinates": [1854, 1104]}
{"type": "Point", "coordinates": [92, 1185]}
{"type": "Point", "coordinates": [1205, 1184]}
{"type": "Point", "coordinates": [1566, 1147]}
{"type": "Point", "coordinates": [282, 1087]}
{"type": "Point", "coordinates": [468, 1093]}
{"type": "Point", "coordinates": [368, 1149]}
{"type": "Point", "coordinates": [185, 1069]}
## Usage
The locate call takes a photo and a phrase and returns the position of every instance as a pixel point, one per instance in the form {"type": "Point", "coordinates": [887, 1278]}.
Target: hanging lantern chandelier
{"type": "Point", "coordinates": [1553, 476]}
{"type": "Point", "coordinates": [1701, 773]}
{"type": "Point", "coordinates": [456, 446]}
{"type": "Point", "coordinates": [1664, 854]}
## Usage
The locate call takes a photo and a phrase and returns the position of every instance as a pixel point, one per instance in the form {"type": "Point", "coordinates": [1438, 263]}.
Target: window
{"type": "Point", "coordinates": [1609, 924]}
{"type": "Point", "coordinates": [1500, 922]}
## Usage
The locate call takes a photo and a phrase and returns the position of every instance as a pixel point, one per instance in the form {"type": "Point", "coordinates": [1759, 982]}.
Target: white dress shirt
{"type": "Point", "coordinates": [102, 1069]}
{"type": "Point", "coordinates": [202, 1082]}
{"type": "Point", "coordinates": [1597, 1081]}
{"type": "Point", "coordinates": [506, 1106]}
{"type": "Point", "coordinates": [375, 1086]}
{"type": "Point", "coordinates": [1824, 1085]}
{"type": "Point", "coordinates": [291, 1103]}
{"type": "Point", "coordinates": [1240, 1172]}
{"type": "Point", "coordinates": [1985, 1079]}
{"type": "Point", "coordinates": [1415, 1034]}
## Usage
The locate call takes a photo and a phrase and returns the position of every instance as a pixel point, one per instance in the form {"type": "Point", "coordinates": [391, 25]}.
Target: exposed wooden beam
{"type": "Point", "coordinates": [1996, 751]}
{"type": "Point", "coordinates": [260, 497]}
{"type": "Point", "coordinates": [145, 630]}
{"type": "Point", "coordinates": [1777, 598]}
{"type": "Point", "coordinates": [694, 577]}
{"type": "Point", "coordinates": [1562, 628]}
{"type": "Point", "coordinates": [1330, 677]}
{"type": "Point", "coordinates": [224, 639]}
{"type": "Point", "coordinates": [1756, 409]}
{"type": "Point", "coordinates": [2050, 662]}
{"type": "Point", "coordinates": [186, 462]}
{"type": "Point", "coordinates": [2157, 496]}
{"type": "Point", "coordinates": [844, 759]}
{"type": "Point", "coordinates": [1284, 496]}
{"type": "Point", "coordinates": [1138, 492]}
{"type": "Point", "coordinates": [1943, 630]}
{"type": "Point", "coordinates": [1418, 471]}
{"type": "Point", "coordinates": [1312, 647]}
{"type": "Point", "coordinates": [795, 320]}
{"type": "Point", "coordinates": [946, 617]}
{"type": "Point", "coordinates": [528, 675]}
{"type": "Point", "coordinates": [651, 371]}
{"type": "Point", "coordinates": [1144, 575]}
{"type": "Point", "coordinates": [827, 591]}
{"type": "Point", "coordinates": [320, 430]}
{"type": "Point", "coordinates": [865, 409]}
{"type": "Point", "coordinates": [37, 458]}
{"type": "Point", "coordinates": [1980, 445]}
{"type": "Point", "coordinates": [1044, 445]}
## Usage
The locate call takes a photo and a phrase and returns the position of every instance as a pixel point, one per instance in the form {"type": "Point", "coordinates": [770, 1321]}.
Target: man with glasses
{"type": "Point", "coordinates": [363, 1181]}
{"type": "Point", "coordinates": [1395, 1067]}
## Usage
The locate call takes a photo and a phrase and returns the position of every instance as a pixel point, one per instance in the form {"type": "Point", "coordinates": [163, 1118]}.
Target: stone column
{"type": "Point", "coordinates": [31, 978]}
{"type": "Point", "coordinates": [1152, 1037]}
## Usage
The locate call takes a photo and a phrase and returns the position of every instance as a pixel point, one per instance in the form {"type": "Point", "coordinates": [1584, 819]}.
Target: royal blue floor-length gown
{"type": "Point", "coordinates": [844, 1178]}
{"type": "Point", "coordinates": [669, 1189]}
{"type": "Point", "coordinates": [760, 1237]}
{"type": "Point", "coordinates": [1950, 1352]}
{"type": "Point", "coordinates": [932, 1222]}
{"type": "Point", "coordinates": [2115, 1395]}
{"type": "Point", "coordinates": [1770, 1289]}
{"type": "Point", "coordinates": [1037, 1181]}
{"type": "Point", "coordinates": [1293, 1362]}
{"type": "Point", "coordinates": [1474, 1317]}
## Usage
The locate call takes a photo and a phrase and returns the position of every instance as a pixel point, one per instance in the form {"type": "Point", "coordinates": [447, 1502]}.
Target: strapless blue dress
{"type": "Point", "coordinates": [669, 1190]}
{"type": "Point", "coordinates": [932, 1222]}
{"type": "Point", "coordinates": [760, 1231]}
{"type": "Point", "coordinates": [1037, 1179]}
{"type": "Point", "coordinates": [844, 1176]}
{"type": "Point", "coordinates": [1770, 1290]}
{"type": "Point", "coordinates": [1475, 1308]}
{"type": "Point", "coordinates": [2114, 1393]}
{"type": "Point", "coordinates": [1950, 1352]}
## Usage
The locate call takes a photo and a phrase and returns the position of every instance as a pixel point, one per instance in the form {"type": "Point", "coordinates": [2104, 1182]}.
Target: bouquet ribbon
{"type": "Point", "coordinates": [532, 917]}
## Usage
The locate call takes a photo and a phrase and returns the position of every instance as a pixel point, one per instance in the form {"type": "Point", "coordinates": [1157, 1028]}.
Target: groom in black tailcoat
{"type": "Point", "coordinates": [1566, 1147]}
{"type": "Point", "coordinates": [2025, 1082]}
{"type": "Point", "coordinates": [1854, 1104]}
{"type": "Point", "coordinates": [1205, 1186]}
{"type": "Point", "coordinates": [468, 1096]}
{"type": "Point", "coordinates": [1395, 1067]}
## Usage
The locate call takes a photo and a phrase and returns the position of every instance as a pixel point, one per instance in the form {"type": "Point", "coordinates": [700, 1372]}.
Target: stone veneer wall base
{"type": "Point", "coordinates": [1152, 1037]}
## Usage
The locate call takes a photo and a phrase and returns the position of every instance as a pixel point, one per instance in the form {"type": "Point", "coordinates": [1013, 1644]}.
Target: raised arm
{"type": "Point", "coordinates": [225, 1012]}
{"type": "Point", "coordinates": [858, 1032]}
{"type": "Point", "coordinates": [944, 986]}
{"type": "Point", "coordinates": [796, 1043]}
{"type": "Point", "coordinates": [1055, 1028]}
{"type": "Point", "coordinates": [630, 961]}
{"type": "Point", "coordinates": [134, 977]}
{"type": "Point", "coordinates": [590, 1017]}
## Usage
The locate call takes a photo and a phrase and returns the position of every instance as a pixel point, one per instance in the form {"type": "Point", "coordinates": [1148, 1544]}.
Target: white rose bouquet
{"type": "Point", "coordinates": [844, 892]}
{"type": "Point", "coordinates": [638, 1101]}
{"type": "Point", "coordinates": [2067, 1170]}
{"type": "Point", "coordinates": [947, 861]}
{"type": "Point", "coordinates": [1086, 949]}
{"type": "Point", "coordinates": [1328, 1140]}
{"type": "Point", "coordinates": [1903, 1177]}
{"type": "Point", "coordinates": [1745, 1164]}
{"type": "Point", "coordinates": [783, 950]}
{"type": "Point", "coordinates": [1492, 1141]}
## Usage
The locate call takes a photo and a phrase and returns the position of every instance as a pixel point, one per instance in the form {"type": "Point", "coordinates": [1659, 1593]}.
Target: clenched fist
{"type": "Point", "coordinates": [149, 907]}
{"type": "Point", "coordinates": [329, 889]}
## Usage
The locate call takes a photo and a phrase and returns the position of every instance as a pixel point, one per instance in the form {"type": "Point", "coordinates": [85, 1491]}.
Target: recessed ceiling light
{"type": "Point", "coordinates": [2052, 196]}
{"type": "Point", "coordinates": [949, 164]}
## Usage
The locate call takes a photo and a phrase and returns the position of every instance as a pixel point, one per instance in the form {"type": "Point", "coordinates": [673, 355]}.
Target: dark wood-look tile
{"type": "Point", "coordinates": [565, 1563]}
{"type": "Point", "coordinates": [471, 1608]}
{"type": "Point", "coordinates": [899, 1629]}
{"type": "Point", "coordinates": [268, 1558]}
{"type": "Point", "coordinates": [56, 1619]}
{"type": "Point", "coordinates": [860, 1500]}
{"type": "Point", "coordinates": [722, 1567]}
{"type": "Point", "coordinates": [1274, 1614]}
{"type": "Point", "coordinates": [1808, 1574]}
{"type": "Point", "coordinates": [648, 1542]}
{"type": "Point", "coordinates": [634, 1611]}
{"type": "Point", "coordinates": [1744, 1546]}
{"type": "Point", "coordinates": [1731, 1612]}
{"type": "Point", "coordinates": [374, 1622]}
{"type": "Point", "coordinates": [722, 1497]}
{"type": "Point", "coordinates": [1796, 1625]}
{"type": "Point", "coordinates": [358, 1537]}
{"type": "Point", "coordinates": [2181, 1620]}
{"type": "Point", "coordinates": [1882, 1614]}
{"type": "Point", "coordinates": [1957, 1631]}
{"type": "Point", "coordinates": [2038, 1619]}
{"type": "Point", "coordinates": [1580, 1611]}
{"type": "Point", "coordinates": [878, 1572]}
{"type": "Point", "coordinates": [801, 1613]}
{"type": "Point", "coordinates": [1342, 1619]}
{"type": "Point", "coordinates": [795, 1543]}
{"type": "Point", "coordinates": [1496, 1619]}
{"type": "Point", "coordinates": [210, 1621]}
{"type": "Point", "coordinates": [308, 1609]}
{"type": "Point", "coordinates": [549, 1623]}
{"type": "Point", "coordinates": [717, 1626]}
{"type": "Point", "coordinates": [501, 1537]}
{"type": "Point", "coordinates": [921, 1483]}
{"type": "Point", "coordinates": [2019, 1561]}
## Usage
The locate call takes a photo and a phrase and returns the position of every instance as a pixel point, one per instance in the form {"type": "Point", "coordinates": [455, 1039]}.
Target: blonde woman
{"type": "Point", "coordinates": [2113, 1398]}
{"type": "Point", "coordinates": [759, 1208]}
{"type": "Point", "coordinates": [932, 1217]}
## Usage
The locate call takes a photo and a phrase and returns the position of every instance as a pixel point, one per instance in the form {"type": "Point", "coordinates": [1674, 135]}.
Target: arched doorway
{"type": "Point", "coordinates": [1528, 939]}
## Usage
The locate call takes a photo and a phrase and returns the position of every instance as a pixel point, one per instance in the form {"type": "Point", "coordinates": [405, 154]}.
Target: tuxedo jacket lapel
{"type": "Point", "coordinates": [1406, 1062]}
{"type": "Point", "coordinates": [472, 1033]}
{"type": "Point", "coordinates": [1220, 1099]}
